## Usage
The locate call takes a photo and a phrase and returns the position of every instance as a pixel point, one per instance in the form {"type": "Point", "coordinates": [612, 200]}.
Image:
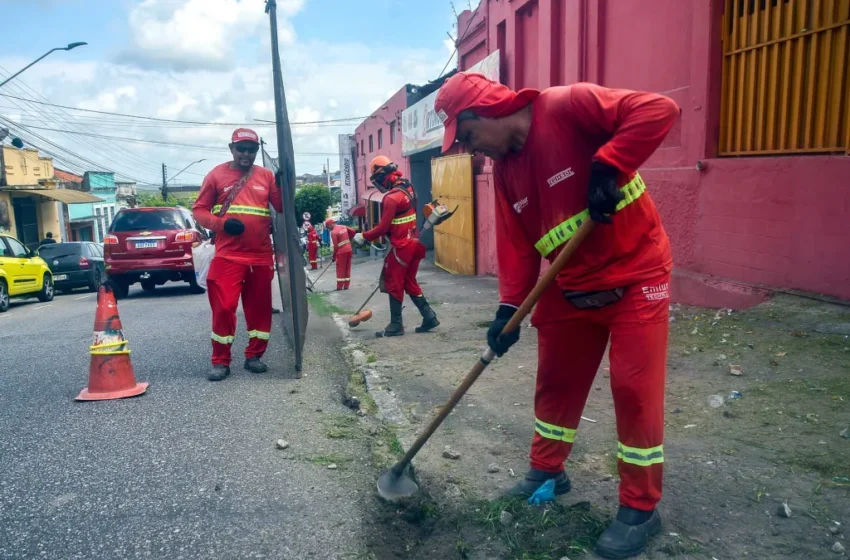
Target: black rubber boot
{"type": "Point", "coordinates": [396, 327]}
{"type": "Point", "coordinates": [534, 479]}
{"type": "Point", "coordinates": [219, 373]}
{"type": "Point", "coordinates": [254, 365]}
{"type": "Point", "coordinates": [629, 534]}
{"type": "Point", "coordinates": [429, 318]}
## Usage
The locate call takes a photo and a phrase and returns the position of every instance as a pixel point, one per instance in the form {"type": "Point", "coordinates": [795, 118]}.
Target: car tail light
{"type": "Point", "coordinates": [185, 236]}
{"type": "Point", "coordinates": [110, 240]}
{"type": "Point", "coordinates": [84, 262]}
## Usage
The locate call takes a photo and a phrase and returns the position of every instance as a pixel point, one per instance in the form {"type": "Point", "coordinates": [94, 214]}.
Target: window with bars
{"type": "Point", "coordinates": [786, 77]}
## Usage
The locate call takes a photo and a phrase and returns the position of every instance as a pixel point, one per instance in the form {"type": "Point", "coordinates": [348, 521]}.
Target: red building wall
{"type": "Point", "coordinates": [380, 120]}
{"type": "Point", "coordinates": [781, 221]}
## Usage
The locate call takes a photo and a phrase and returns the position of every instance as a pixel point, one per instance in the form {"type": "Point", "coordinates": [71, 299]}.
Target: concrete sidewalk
{"type": "Point", "coordinates": [711, 467]}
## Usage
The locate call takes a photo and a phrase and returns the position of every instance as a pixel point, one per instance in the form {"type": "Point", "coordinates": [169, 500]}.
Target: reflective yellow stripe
{"type": "Point", "coordinates": [109, 348]}
{"type": "Point", "coordinates": [222, 339]}
{"type": "Point", "coordinates": [341, 243]}
{"type": "Point", "coordinates": [259, 334]}
{"type": "Point", "coordinates": [404, 220]}
{"type": "Point", "coordinates": [343, 279]}
{"type": "Point", "coordinates": [552, 431]}
{"type": "Point", "coordinates": [640, 457]}
{"type": "Point", "coordinates": [562, 233]}
{"type": "Point", "coordinates": [250, 210]}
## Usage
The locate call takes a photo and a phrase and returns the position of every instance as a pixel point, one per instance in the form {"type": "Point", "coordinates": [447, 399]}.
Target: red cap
{"type": "Point", "coordinates": [475, 91]}
{"type": "Point", "coordinates": [244, 135]}
{"type": "Point", "coordinates": [329, 222]}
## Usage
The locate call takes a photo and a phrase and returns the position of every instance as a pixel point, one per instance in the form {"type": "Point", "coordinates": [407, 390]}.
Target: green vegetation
{"type": "Point", "coordinates": [314, 199]}
{"type": "Point", "coordinates": [323, 307]}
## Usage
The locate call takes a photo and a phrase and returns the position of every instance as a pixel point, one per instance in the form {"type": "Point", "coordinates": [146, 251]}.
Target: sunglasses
{"type": "Point", "coordinates": [247, 149]}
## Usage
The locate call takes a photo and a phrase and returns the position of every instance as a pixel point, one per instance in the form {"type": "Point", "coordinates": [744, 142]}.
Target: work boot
{"type": "Point", "coordinates": [219, 373]}
{"type": "Point", "coordinates": [396, 327]}
{"type": "Point", "coordinates": [534, 479]}
{"type": "Point", "coordinates": [429, 318]}
{"type": "Point", "coordinates": [254, 365]}
{"type": "Point", "coordinates": [629, 534]}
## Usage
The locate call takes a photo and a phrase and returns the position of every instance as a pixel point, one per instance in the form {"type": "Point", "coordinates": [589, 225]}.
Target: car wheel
{"type": "Point", "coordinates": [120, 288]}
{"type": "Point", "coordinates": [4, 297]}
{"type": "Point", "coordinates": [47, 291]}
{"type": "Point", "coordinates": [96, 281]}
{"type": "Point", "coordinates": [149, 286]}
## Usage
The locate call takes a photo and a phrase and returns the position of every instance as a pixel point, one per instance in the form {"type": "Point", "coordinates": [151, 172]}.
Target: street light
{"type": "Point", "coordinates": [165, 182]}
{"type": "Point", "coordinates": [187, 167]}
{"type": "Point", "coordinates": [68, 48]}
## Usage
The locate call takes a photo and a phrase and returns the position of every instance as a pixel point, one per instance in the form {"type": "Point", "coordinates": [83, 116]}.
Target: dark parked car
{"type": "Point", "coordinates": [74, 265]}
{"type": "Point", "coordinates": [152, 246]}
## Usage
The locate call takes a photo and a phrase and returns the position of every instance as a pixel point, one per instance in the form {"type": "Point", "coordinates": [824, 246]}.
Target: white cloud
{"type": "Point", "coordinates": [184, 80]}
{"type": "Point", "coordinates": [199, 34]}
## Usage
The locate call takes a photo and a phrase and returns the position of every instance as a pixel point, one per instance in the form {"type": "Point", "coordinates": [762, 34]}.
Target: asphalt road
{"type": "Point", "coordinates": [188, 470]}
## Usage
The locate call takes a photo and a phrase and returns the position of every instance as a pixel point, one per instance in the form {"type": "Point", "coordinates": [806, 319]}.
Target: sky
{"type": "Point", "coordinates": [208, 61]}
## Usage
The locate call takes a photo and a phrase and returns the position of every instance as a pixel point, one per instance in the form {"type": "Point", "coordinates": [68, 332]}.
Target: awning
{"type": "Point", "coordinates": [373, 195]}
{"type": "Point", "coordinates": [358, 211]}
{"type": "Point", "coordinates": [67, 196]}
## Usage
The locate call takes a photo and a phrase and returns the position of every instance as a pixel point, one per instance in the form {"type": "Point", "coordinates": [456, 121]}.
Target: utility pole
{"type": "Point", "coordinates": [164, 183]}
{"type": "Point", "coordinates": [328, 168]}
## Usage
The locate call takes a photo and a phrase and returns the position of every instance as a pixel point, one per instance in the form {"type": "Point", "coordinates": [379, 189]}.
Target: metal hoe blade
{"type": "Point", "coordinates": [394, 486]}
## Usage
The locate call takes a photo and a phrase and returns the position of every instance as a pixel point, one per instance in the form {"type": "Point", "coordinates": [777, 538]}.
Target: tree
{"type": "Point", "coordinates": [147, 199]}
{"type": "Point", "coordinates": [336, 196]}
{"type": "Point", "coordinates": [314, 199]}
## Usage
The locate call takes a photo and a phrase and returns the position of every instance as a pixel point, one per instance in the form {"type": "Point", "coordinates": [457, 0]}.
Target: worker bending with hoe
{"type": "Point", "coordinates": [563, 156]}
{"type": "Point", "coordinates": [234, 203]}
{"type": "Point", "coordinates": [398, 221]}
{"type": "Point", "coordinates": [312, 246]}
{"type": "Point", "coordinates": [341, 244]}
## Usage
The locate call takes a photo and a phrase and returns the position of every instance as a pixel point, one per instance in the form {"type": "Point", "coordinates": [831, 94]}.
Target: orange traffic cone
{"type": "Point", "coordinates": [110, 373]}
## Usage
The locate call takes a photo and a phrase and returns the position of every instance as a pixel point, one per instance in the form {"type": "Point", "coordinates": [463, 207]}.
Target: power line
{"type": "Point", "coordinates": [461, 38]}
{"type": "Point", "coordinates": [158, 119]}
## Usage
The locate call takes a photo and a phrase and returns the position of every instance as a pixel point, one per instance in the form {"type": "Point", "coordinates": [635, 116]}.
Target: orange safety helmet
{"type": "Point", "coordinates": [379, 169]}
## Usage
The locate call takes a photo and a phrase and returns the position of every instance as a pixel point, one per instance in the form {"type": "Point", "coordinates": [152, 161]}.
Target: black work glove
{"type": "Point", "coordinates": [234, 226]}
{"type": "Point", "coordinates": [603, 195]}
{"type": "Point", "coordinates": [498, 342]}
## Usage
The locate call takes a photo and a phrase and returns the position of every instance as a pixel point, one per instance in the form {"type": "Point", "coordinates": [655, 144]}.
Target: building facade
{"type": "Point", "coordinates": [91, 221]}
{"type": "Point", "coordinates": [752, 181]}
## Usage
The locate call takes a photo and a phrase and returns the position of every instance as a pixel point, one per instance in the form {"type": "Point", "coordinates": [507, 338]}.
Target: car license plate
{"type": "Point", "coordinates": [145, 244]}
{"type": "Point", "coordinates": [60, 277]}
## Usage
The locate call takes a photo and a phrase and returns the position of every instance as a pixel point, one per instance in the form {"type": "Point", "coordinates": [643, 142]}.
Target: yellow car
{"type": "Point", "coordinates": [22, 273]}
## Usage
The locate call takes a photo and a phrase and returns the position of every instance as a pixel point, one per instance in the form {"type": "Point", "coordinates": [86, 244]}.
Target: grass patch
{"type": "Point", "coordinates": [371, 359]}
{"type": "Point", "coordinates": [342, 426]}
{"type": "Point", "coordinates": [385, 447]}
{"type": "Point", "coordinates": [323, 307]}
{"type": "Point", "coordinates": [333, 458]}
{"type": "Point", "coordinates": [356, 387]}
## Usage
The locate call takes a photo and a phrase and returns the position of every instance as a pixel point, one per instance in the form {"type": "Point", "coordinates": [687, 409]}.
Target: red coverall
{"type": "Point", "coordinates": [341, 239]}
{"type": "Point", "coordinates": [313, 247]}
{"type": "Point", "coordinates": [398, 219]}
{"type": "Point", "coordinates": [541, 198]}
{"type": "Point", "coordinates": [243, 264]}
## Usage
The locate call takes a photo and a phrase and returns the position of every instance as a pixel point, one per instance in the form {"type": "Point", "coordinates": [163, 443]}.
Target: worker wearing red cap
{"type": "Point", "coordinates": [341, 237]}
{"type": "Point", "coordinates": [234, 203]}
{"type": "Point", "coordinates": [312, 246]}
{"type": "Point", "coordinates": [563, 156]}
{"type": "Point", "coordinates": [398, 221]}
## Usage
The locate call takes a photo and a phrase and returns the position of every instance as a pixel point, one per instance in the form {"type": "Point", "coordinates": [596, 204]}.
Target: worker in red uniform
{"type": "Point", "coordinates": [398, 221]}
{"type": "Point", "coordinates": [234, 203]}
{"type": "Point", "coordinates": [341, 237]}
{"type": "Point", "coordinates": [312, 246]}
{"type": "Point", "coordinates": [563, 156]}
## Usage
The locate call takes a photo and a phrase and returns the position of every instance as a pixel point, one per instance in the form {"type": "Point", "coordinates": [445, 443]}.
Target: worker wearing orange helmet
{"type": "Point", "coordinates": [312, 246]}
{"type": "Point", "coordinates": [398, 221]}
{"type": "Point", "coordinates": [341, 237]}
{"type": "Point", "coordinates": [563, 156]}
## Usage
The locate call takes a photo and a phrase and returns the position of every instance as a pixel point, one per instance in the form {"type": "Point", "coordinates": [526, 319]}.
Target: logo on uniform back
{"type": "Point", "coordinates": [562, 176]}
{"type": "Point", "coordinates": [518, 206]}
{"type": "Point", "coordinates": [655, 293]}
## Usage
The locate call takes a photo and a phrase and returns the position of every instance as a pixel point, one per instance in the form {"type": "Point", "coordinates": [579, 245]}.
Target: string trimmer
{"type": "Point", "coordinates": [435, 214]}
{"type": "Point", "coordinates": [395, 483]}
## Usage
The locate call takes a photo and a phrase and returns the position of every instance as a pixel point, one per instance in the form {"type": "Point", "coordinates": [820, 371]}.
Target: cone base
{"type": "Point", "coordinates": [135, 391]}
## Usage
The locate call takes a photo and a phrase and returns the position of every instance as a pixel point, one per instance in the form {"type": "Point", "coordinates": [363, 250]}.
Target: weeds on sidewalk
{"type": "Point", "coordinates": [323, 307]}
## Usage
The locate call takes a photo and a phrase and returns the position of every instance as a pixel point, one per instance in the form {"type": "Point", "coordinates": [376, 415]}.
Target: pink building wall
{"type": "Point", "coordinates": [780, 221]}
{"type": "Point", "coordinates": [380, 120]}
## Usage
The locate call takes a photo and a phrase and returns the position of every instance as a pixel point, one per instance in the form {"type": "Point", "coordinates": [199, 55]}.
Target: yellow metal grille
{"type": "Point", "coordinates": [786, 77]}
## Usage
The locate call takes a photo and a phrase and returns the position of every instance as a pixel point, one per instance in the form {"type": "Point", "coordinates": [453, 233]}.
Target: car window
{"type": "Point", "coordinates": [4, 251]}
{"type": "Point", "coordinates": [144, 221]}
{"type": "Point", "coordinates": [18, 250]}
{"type": "Point", "coordinates": [98, 252]}
{"type": "Point", "coordinates": [58, 250]}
